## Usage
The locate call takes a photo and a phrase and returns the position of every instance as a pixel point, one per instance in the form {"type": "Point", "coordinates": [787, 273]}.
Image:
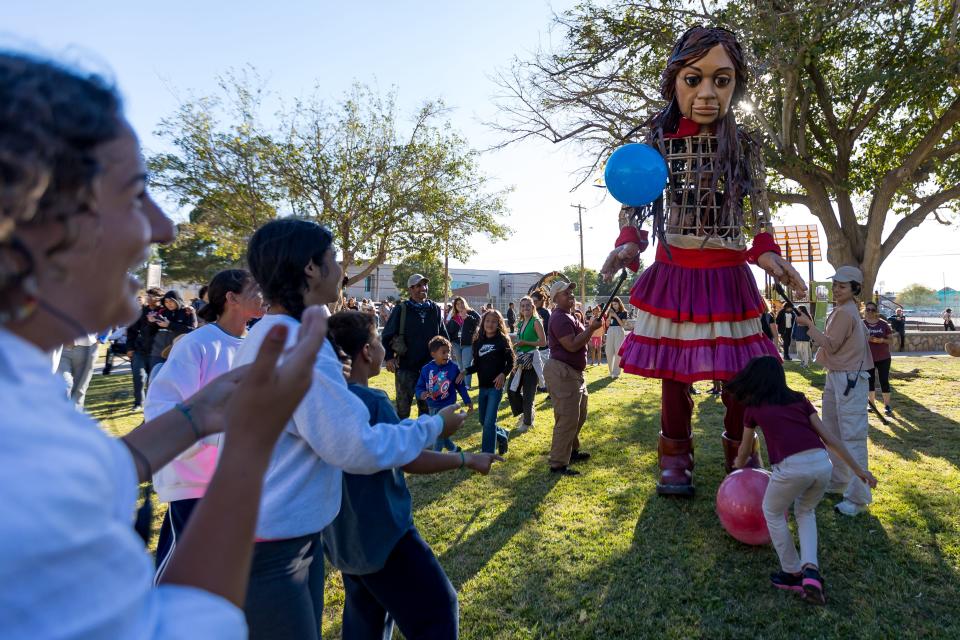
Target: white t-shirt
{"type": "Point", "coordinates": [198, 358]}
{"type": "Point", "coordinates": [71, 565]}
{"type": "Point", "coordinates": [329, 433]}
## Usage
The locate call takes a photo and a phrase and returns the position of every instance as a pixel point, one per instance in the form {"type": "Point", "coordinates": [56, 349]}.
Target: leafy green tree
{"type": "Point", "coordinates": [591, 277]}
{"type": "Point", "coordinates": [426, 265]}
{"type": "Point", "coordinates": [196, 256]}
{"type": "Point", "coordinates": [225, 170]}
{"type": "Point", "coordinates": [917, 295]}
{"type": "Point", "coordinates": [384, 189]}
{"type": "Point", "coordinates": [385, 193]}
{"type": "Point", "coordinates": [856, 101]}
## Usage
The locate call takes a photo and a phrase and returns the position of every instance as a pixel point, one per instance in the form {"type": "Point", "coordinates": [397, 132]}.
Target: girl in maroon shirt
{"type": "Point", "coordinates": [796, 444]}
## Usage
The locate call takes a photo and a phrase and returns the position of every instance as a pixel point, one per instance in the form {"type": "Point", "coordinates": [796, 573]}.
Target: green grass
{"type": "Point", "coordinates": [601, 556]}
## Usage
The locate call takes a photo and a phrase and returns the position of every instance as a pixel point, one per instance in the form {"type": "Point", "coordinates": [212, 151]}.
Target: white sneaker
{"type": "Point", "coordinates": [848, 508]}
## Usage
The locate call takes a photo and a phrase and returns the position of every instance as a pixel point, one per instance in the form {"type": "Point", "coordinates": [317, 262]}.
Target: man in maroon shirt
{"type": "Point", "coordinates": [563, 372]}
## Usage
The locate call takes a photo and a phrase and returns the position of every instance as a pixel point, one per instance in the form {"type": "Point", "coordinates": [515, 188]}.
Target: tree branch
{"type": "Point", "coordinates": [916, 218]}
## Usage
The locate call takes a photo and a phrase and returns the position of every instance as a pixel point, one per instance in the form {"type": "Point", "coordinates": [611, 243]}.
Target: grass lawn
{"type": "Point", "coordinates": [601, 556]}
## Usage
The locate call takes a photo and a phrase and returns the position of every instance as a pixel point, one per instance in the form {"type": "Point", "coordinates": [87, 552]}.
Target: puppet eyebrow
{"type": "Point", "coordinates": [699, 70]}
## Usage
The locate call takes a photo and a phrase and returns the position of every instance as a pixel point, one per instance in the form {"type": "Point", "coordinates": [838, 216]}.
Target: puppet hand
{"type": "Point", "coordinates": [618, 259]}
{"type": "Point", "coordinates": [782, 270]}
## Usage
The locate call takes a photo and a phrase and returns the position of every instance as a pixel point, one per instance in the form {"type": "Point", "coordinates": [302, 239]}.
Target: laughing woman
{"type": "Point", "coordinates": [75, 219]}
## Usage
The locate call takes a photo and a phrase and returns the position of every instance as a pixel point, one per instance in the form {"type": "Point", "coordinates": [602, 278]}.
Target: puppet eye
{"type": "Point", "coordinates": [691, 80]}
{"type": "Point", "coordinates": [722, 81]}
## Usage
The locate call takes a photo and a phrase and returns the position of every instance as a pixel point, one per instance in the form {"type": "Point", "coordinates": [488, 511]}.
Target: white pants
{"type": "Point", "coordinates": [800, 479]}
{"type": "Point", "coordinates": [803, 351]}
{"type": "Point", "coordinates": [614, 341]}
{"type": "Point", "coordinates": [845, 418]}
{"type": "Point", "coordinates": [76, 367]}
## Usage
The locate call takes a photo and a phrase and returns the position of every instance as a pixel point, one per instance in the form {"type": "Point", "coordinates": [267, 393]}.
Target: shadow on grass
{"type": "Point", "coordinates": [915, 429]}
{"type": "Point", "coordinates": [111, 398]}
{"type": "Point", "coordinates": [597, 385]}
{"type": "Point", "coordinates": [468, 554]}
{"type": "Point", "coordinates": [682, 576]}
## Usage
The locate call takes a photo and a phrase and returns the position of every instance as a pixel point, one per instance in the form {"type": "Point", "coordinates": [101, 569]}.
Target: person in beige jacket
{"type": "Point", "coordinates": [845, 353]}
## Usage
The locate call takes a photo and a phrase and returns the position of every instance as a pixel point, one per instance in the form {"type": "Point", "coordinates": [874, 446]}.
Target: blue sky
{"type": "Point", "coordinates": [162, 52]}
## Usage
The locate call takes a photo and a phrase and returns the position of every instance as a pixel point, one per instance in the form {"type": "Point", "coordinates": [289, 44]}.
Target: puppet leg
{"type": "Point", "coordinates": [675, 448]}
{"type": "Point", "coordinates": [733, 433]}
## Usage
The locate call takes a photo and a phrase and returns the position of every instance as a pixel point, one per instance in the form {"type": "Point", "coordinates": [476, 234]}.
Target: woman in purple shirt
{"type": "Point", "coordinates": [795, 440]}
{"type": "Point", "coordinates": [878, 332]}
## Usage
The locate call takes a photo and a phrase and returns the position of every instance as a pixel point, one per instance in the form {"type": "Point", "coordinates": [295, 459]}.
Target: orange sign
{"type": "Point", "coordinates": [798, 242]}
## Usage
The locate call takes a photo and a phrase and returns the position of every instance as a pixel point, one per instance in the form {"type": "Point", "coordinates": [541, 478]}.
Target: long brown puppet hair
{"type": "Point", "coordinates": [739, 162]}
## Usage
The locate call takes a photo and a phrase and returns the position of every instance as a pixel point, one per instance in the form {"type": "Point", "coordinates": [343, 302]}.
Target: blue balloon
{"type": "Point", "coordinates": [635, 174]}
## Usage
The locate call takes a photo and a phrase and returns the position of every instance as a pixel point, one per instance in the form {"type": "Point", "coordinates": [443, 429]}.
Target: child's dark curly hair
{"type": "Point", "coordinates": [352, 330]}
{"type": "Point", "coordinates": [436, 342]}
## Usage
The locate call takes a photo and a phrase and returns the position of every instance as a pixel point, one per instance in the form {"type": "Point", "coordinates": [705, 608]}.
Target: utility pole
{"type": "Point", "coordinates": [583, 273]}
{"type": "Point", "coordinates": [446, 266]}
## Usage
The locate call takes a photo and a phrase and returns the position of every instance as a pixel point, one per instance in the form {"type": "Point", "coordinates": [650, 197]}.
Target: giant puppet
{"type": "Point", "coordinates": [699, 307]}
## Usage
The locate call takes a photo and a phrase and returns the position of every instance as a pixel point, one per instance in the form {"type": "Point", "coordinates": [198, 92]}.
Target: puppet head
{"type": "Point", "coordinates": [704, 75]}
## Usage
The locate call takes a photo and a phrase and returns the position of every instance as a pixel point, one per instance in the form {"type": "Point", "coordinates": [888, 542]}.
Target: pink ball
{"type": "Point", "coordinates": [740, 505]}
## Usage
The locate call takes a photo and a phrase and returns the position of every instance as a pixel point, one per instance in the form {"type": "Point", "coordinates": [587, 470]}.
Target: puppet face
{"type": "Point", "coordinates": [705, 87]}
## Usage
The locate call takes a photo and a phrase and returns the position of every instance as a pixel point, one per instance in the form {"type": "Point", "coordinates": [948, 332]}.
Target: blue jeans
{"type": "Point", "coordinates": [442, 443]}
{"type": "Point", "coordinates": [489, 404]}
{"type": "Point", "coordinates": [140, 366]}
{"type": "Point", "coordinates": [463, 356]}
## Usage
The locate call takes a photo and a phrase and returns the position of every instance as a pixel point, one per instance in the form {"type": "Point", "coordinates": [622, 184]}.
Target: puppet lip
{"type": "Point", "coordinates": [705, 110]}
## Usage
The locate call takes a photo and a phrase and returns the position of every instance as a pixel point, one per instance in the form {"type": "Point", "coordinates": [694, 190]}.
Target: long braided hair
{"type": "Point", "coordinates": [279, 252]}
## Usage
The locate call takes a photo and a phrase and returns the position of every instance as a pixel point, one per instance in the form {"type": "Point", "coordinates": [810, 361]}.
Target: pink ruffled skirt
{"type": "Point", "coordinates": [699, 317]}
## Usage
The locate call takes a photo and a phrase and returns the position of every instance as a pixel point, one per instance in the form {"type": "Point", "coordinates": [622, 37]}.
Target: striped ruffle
{"type": "Point", "coordinates": [718, 358]}
{"type": "Point", "coordinates": [712, 294]}
{"type": "Point", "coordinates": [695, 322]}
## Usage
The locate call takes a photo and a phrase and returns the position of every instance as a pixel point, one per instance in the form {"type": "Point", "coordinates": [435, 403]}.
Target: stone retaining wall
{"type": "Point", "coordinates": [927, 340]}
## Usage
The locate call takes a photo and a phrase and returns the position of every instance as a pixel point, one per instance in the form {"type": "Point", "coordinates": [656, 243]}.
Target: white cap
{"type": "Point", "coordinates": [848, 273]}
{"type": "Point", "coordinates": [416, 279]}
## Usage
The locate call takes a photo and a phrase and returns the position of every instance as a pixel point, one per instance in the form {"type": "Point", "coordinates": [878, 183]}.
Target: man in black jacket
{"type": "Point", "coordinates": [424, 320]}
{"type": "Point", "coordinates": [140, 342]}
{"type": "Point", "coordinates": [785, 321]}
{"type": "Point", "coordinates": [898, 322]}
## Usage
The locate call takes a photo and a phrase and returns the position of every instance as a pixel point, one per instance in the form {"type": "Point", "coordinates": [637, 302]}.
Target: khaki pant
{"type": "Point", "coordinates": [614, 341]}
{"type": "Point", "coordinates": [568, 392]}
{"type": "Point", "coordinates": [803, 351]}
{"type": "Point", "coordinates": [845, 417]}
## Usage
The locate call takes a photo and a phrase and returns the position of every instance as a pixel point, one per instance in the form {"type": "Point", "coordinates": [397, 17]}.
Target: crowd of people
{"type": "Point", "coordinates": [263, 435]}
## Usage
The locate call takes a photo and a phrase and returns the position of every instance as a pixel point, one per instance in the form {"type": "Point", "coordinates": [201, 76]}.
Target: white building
{"type": "Point", "coordinates": [478, 286]}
